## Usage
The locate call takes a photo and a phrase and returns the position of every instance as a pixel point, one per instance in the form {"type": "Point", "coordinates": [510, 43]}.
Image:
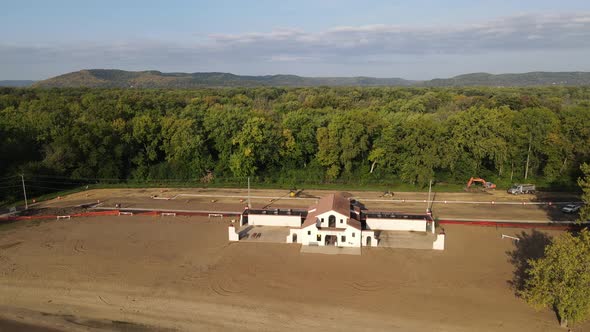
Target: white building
{"type": "Point", "coordinates": [330, 222]}
{"type": "Point", "coordinates": [337, 221]}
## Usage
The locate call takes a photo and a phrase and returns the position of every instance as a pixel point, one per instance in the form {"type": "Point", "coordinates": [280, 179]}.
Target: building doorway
{"type": "Point", "coordinates": [330, 240]}
{"type": "Point", "coordinates": [368, 241]}
{"type": "Point", "coordinates": [332, 221]}
{"type": "Point", "coordinates": [294, 238]}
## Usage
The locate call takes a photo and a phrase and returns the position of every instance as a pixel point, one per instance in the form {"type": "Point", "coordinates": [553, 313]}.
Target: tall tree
{"type": "Point", "coordinates": [561, 279]}
{"type": "Point", "coordinates": [584, 183]}
{"type": "Point", "coordinates": [257, 147]}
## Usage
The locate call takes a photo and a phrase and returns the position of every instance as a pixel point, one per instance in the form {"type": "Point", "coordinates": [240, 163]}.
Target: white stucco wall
{"type": "Point", "coordinates": [339, 218]}
{"type": "Point", "coordinates": [309, 234]}
{"type": "Point", "coordinates": [233, 236]}
{"type": "Point", "coordinates": [439, 243]}
{"type": "Point", "coordinates": [274, 220]}
{"type": "Point", "coordinates": [396, 224]}
{"type": "Point", "coordinates": [369, 234]}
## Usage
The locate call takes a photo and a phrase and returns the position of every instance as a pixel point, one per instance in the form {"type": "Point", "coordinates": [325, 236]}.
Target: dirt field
{"type": "Point", "coordinates": [175, 273]}
{"type": "Point", "coordinates": [473, 206]}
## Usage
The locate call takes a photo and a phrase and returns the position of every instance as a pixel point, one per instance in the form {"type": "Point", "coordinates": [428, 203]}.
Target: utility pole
{"type": "Point", "coordinates": [428, 210]}
{"type": "Point", "coordinates": [22, 177]}
{"type": "Point", "coordinates": [428, 202]}
{"type": "Point", "coordinates": [249, 205]}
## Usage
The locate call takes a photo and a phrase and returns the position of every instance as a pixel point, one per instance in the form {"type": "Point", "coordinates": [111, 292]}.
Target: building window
{"type": "Point", "coordinates": [308, 232]}
{"type": "Point", "coordinates": [341, 221]}
{"type": "Point", "coordinates": [332, 221]}
{"type": "Point", "coordinates": [353, 234]}
{"type": "Point", "coordinates": [343, 238]}
{"type": "Point", "coordinates": [319, 237]}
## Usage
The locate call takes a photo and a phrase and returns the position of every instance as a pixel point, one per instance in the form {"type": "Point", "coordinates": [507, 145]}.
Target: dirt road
{"type": "Point", "coordinates": [162, 273]}
{"type": "Point", "coordinates": [474, 206]}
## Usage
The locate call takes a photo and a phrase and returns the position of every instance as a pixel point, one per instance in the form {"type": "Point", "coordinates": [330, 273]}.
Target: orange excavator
{"type": "Point", "coordinates": [486, 184]}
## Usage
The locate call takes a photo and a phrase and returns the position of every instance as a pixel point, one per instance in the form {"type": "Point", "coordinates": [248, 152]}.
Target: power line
{"type": "Point", "coordinates": [77, 178]}
{"type": "Point", "coordinates": [16, 186]}
{"type": "Point", "coordinates": [22, 177]}
{"type": "Point", "coordinates": [8, 182]}
{"type": "Point", "coordinates": [40, 187]}
{"type": "Point", "coordinates": [58, 182]}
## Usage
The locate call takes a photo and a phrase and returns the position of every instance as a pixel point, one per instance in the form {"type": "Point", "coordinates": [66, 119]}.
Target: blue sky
{"type": "Point", "coordinates": [411, 39]}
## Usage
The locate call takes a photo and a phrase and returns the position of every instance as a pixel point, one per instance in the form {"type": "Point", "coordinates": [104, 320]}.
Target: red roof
{"type": "Point", "coordinates": [334, 202]}
{"type": "Point", "coordinates": [310, 220]}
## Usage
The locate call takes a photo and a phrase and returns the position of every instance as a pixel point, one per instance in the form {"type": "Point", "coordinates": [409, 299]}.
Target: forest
{"type": "Point", "coordinates": [62, 138]}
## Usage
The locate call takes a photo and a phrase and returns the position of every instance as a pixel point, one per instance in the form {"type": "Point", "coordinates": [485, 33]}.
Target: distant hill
{"type": "Point", "coordinates": [112, 78]}
{"type": "Point", "coordinates": [526, 79]}
{"type": "Point", "coordinates": [106, 78]}
{"type": "Point", "coordinates": [16, 83]}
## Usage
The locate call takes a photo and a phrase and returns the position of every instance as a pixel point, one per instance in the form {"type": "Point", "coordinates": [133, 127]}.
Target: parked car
{"type": "Point", "coordinates": [571, 208]}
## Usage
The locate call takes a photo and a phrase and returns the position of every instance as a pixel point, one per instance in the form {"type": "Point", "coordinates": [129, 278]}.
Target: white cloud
{"type": "Point", "coordinates": [341, 45]}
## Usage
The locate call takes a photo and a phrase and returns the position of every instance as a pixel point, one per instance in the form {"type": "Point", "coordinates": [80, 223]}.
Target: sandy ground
{"type": "Point", "coordinates": [472, 206]}
{"type": "Point", "coordinates": [176, 273]}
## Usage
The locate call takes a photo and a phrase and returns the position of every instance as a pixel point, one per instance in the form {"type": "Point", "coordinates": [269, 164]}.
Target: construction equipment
{"type": "Point", "coordinates": [486, 184]}
{"type": "Point", "coordinates": [295, 192]}
{"type": "Point", "coordinates": [518, 189]}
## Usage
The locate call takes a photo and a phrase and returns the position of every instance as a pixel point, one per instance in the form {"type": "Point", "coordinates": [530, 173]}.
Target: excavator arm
{"type": "Point", "coordinates": [487, 185]}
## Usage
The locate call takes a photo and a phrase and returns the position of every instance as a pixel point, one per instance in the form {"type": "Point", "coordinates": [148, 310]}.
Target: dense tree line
{"type": "Point", "coordinates": [318, 135]}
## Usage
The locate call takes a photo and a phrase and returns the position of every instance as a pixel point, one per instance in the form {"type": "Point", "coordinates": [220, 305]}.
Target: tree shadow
{"type": "Point", "coordinates": [529, 246]}
{"type": "Point", "coordinates": [558, 200]}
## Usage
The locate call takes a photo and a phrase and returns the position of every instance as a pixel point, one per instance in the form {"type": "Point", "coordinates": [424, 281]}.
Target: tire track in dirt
{"type": "Point", "coordinates": [79, 246]}
{"type": "Point", "coordinates": [10, 245]}
{"type": "Point", "coordinates": [371, 286]}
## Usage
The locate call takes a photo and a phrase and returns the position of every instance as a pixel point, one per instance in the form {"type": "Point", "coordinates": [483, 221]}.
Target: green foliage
{"type": "Point", "coordinates": [561, 279]}
{"type": "Point", "coordinates": [112, 78]}
{"type": "Point", "coordinates": [584, 183]}
{"type": "Point", "coordinates": [329, 136]}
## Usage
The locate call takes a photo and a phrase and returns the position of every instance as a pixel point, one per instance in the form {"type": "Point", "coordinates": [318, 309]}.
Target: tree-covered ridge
{"type": "Point", "coordinates": [110, 78]}
{"type": "Point", "coordinates": [524, 79]}
{"type": "Point", "coordinates": [294, 135]}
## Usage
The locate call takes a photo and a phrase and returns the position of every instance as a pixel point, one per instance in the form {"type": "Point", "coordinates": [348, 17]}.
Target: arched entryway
{"type": "Point", "coordinates": [294, 238]}
{"type": "Point", "coordinates": [330, 240]}
{"type": "Point", "coordinates": [332, 221]}
{"type": "Point", "coordinates": [368, 241]}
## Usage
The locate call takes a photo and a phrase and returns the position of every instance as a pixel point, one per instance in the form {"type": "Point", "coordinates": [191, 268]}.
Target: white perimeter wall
{"type": "Point", "coordinates": [396, 224]}
{"type": "Point", "coordinates": [274, 220]}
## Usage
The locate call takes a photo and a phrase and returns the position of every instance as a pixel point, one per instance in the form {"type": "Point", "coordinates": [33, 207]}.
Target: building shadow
{"type": "Point", "coordinates": [244, 233]}
{"type": "Point", "coordinates": [528, 247]}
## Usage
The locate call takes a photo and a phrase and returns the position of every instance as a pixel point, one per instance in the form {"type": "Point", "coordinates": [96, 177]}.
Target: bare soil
{"type": "Point", "coordinates": [149, 273]}
{"type": "Point", "coordinates": [467, 205]}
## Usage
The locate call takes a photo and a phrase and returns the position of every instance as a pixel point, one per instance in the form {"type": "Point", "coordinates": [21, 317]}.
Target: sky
{"type": "Point", "coordinates": [419, 39]}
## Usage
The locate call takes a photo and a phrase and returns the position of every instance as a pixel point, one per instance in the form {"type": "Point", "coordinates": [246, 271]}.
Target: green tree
{"type": "Point", "coordinates": [257, 147]}
{"type": "Point", "coordinates": [300, 128]}
{"type": "Point", "coordinates": [184, 146]}
{"type": "Point", "coordinates": [533, 126]}
{"type": "Point", "coordinates": [584, 183]}
{"type": "Point", "coordinates": [561, 279]}
{"type": "Point", "coordinates": [346, 141]}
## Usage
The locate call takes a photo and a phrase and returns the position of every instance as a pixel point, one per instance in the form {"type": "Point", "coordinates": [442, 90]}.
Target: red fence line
{"type": "Point", "coordinates": [108, 213]}
{"type": "Point", "coordinates": [512, 224]}
{"type": "Point", "coordinates": [84, 214]}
